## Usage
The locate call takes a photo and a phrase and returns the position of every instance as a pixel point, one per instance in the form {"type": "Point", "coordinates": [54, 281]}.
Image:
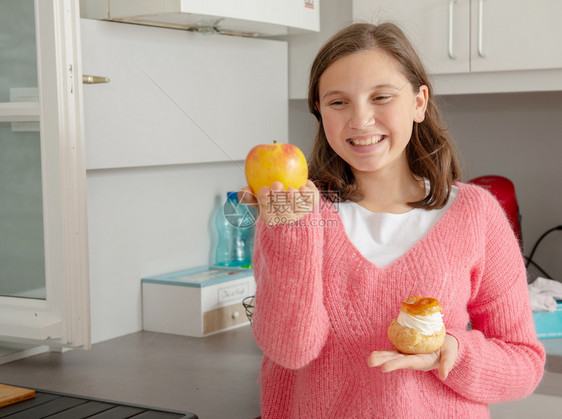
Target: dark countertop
{"type": "Point", "coordinates": [213, 377]}
{"type": "Point", "coordinates": [553, 349]}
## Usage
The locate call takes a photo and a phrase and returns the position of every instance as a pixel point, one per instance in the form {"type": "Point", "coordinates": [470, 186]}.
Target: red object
{"type": "Point", "coordinates": [504, 191]}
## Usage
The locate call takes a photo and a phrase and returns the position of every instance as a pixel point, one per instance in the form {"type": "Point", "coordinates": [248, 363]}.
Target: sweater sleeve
{"type": "Point", "coordinates": [500, 358]}
{"type": "Point", "coordinates": [290, 322]}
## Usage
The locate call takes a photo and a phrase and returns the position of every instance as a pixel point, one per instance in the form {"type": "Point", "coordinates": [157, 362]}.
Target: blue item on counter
{"type": "Point", "coordinates": [235, 223]}
{"type": "Point", "coordinates": [548, 324]}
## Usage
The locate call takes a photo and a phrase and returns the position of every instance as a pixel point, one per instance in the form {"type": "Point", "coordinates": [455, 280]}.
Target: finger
{"type": "Point", "coordinates": [378, 358]}
{"type": "Point", "coordinates": [246, 197]}
{"type": "Point", "coordinates": [448, 358]}
{"type": "Point", "coordinates": [264, 200]}
{"type": "Point", "coordinates": [263, 195]}
{"type": "Point", "coordinates": [310, 185]}
{"type": "Point", "coordinates": [271, 201]}
{"type": "Point", "coordinates": [445, 368]}
{"type": "Point", "coordinates": [397, 363]}
{"type": "Point", "coordinates": [275, 195]}
{"type": "Point", "coordinates": [291, 194]}
{"type": "Point", "coordinates": [277, 186]}
{"type": "Point", "coordinates": [308, 191]}
{"type": "Point", "coordinates": [423, 362]}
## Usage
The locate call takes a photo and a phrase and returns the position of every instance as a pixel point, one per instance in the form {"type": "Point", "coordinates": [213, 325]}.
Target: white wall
{"type": "Point", "coordinates": [148, 221]}
{"type": "Point", "coordinates": [515, 135]}
{"type": "Point", "coordinates": [518, 136]}
{"type": "Point", "coordinates": [150, 199]}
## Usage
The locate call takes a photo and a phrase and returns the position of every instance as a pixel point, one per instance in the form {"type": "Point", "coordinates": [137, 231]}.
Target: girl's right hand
{"type": "Point", "coordinates": [278, 206]}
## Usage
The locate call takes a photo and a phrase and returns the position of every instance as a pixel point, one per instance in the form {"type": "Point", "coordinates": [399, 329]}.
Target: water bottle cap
{"type": "Point", "coordinates": [232, 196]}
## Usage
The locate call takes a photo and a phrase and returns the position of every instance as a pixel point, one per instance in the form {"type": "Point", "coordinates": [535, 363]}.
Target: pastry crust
{"type": "Point", "coordinates": [410, 341]}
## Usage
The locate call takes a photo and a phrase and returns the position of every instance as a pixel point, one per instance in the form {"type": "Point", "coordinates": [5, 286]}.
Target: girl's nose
{"type": "Point", "coordinates": [361, 117]}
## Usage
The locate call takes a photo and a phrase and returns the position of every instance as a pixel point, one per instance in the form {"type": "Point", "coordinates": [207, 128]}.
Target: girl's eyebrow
{"type": "Point", "coordinates": [378, 86]}
{"type": "Point", "coordinates": [331, 92]}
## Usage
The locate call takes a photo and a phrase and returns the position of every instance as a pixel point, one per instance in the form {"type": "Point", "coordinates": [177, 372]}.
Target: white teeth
{"type": "Point", "coordinates": [368, 141]}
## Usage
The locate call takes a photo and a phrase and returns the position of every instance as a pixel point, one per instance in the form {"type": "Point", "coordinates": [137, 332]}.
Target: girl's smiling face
{"type": "Point", "coordinates": [368, 108]}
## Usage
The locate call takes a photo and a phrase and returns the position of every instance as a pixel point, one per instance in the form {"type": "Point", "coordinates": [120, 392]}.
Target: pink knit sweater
{"type": "Point", "coordinates": [322, 308]}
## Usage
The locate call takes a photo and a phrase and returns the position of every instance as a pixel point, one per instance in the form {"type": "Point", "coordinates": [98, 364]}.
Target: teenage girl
{"type": "Point", "coordinates": [382, 218]}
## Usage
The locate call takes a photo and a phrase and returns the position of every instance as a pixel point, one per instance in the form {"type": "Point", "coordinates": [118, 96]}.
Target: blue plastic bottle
{"type": "Point", "coordinates": [235, 223]}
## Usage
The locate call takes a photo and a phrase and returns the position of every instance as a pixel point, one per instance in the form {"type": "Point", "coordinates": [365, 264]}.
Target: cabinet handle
{"type": "Point", "coordinates": [480, 30]}
{"type": "Point", "coordinates": [452, 55]}
{"type": "Point", "coordinates": [87, 79]}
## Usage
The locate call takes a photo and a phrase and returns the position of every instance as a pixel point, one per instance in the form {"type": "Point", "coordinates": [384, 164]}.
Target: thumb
{"type": "Point", "coordinates": [445, 368]}
{"type": "Point", "coordinates": [449, 352]}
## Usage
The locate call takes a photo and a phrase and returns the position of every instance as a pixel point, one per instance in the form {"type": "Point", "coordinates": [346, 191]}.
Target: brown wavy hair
{"type": "Point", "coordinates": [430, 151]}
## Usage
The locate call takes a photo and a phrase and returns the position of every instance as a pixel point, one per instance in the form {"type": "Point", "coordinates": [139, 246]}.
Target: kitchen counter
{"type": "Point", "coordinates": [553, 349]}
{"type": "Point", "coordinates": [553, 346]}
{"type": "Point", "coordinates": [213, 377]}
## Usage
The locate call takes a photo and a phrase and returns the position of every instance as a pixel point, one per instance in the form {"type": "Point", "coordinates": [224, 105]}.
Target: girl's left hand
{"type": "Point", "coordinates": [443, 359]}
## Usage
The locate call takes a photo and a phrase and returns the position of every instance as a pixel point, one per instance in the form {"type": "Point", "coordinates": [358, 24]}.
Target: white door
{"type": "Point", "coordinates": [523, 35]}
{"type": "Point", "coordinates": [43, 236]}
{"type": "Point", "coordinates": [439, 29]}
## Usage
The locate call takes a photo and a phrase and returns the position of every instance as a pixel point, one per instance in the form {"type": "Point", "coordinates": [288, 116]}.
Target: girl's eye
{"type": "Point", "coordinates": [383, 98]}
{"type": "Point", "coordinates": [337, 103]}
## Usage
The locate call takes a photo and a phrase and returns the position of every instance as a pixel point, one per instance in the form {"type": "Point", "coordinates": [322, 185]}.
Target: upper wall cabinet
{"type": "Point", "coordinates": [240, 17]}
{"type": "Point", "coordinates": [508, 35]}
{"type": "Point", "coordinates": [479, 45]}
{"type": "Point", "coordinates": [177, 97]}
{"type": "Point", "coordinates": [439, 29]}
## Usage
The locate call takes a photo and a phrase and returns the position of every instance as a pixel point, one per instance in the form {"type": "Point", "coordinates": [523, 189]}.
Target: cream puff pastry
{"type": "Point", "coordinates": [419, 328]}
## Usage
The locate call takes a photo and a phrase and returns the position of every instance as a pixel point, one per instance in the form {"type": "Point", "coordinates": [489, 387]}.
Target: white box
{"type": "Point", "coordinates": [196, 302]}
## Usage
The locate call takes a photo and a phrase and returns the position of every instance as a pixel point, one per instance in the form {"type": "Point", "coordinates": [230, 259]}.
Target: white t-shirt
{"type": "Point", "coordinates": [383, 237]}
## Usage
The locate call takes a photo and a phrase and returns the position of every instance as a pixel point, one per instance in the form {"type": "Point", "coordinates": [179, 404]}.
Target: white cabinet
{"type": "Point", "coordinates": [439, 29]}
{"type": "Point", "coordinates": [261, 17]}
{"type": "Point", "coordinates": [523, 35]}
{"type": "Point", "coordinates": [456, 36]}
{"type": "Point", "coordinates": [177, 97]}
{"type": "Point", "coordinates": [503, 45]}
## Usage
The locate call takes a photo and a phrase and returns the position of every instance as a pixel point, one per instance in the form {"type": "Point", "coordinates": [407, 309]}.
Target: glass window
{"type": "Point", "coordinates": [22, 252]}
{"type": "Point", "coordinates": [18, 51]}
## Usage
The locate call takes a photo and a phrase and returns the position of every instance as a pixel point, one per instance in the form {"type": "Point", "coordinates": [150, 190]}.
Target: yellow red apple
{"type": "Point", "coordinates": [267, 163]}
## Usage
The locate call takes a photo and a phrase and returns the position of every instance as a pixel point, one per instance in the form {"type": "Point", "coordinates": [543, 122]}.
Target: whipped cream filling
{"type": "Point", "coordinates": [426, 325]}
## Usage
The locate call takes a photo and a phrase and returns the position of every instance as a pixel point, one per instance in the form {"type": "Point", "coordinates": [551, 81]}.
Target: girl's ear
{"type": "Point", "coordinates": [421, 103]}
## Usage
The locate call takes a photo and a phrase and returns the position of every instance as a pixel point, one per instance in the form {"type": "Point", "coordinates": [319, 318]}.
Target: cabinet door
{"type": "Point", "coordinates": [439, 29]}
{"type": "Point", "coordinates": [176, 97]}
{"type": "Point", "coordinates": [523, 35]}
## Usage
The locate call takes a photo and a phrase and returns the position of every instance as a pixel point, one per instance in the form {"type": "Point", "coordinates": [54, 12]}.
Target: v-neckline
{"type": "Point", "coordinates": [419, 243]}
